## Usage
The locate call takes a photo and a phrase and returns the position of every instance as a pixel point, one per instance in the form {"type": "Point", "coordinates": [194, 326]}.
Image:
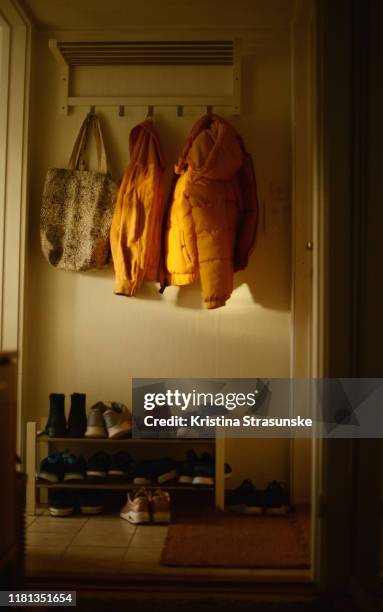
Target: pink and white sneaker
{"type": "Point", "coordinates": [161, 506]}
{"type": "Point", "coordinates": [137, 507]}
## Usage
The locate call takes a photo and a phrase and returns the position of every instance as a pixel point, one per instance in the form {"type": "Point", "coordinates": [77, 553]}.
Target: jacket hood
{"type": "Point", "coordinates": [213, 150]}
{"type": "Point", "coordinates": [144, 145]}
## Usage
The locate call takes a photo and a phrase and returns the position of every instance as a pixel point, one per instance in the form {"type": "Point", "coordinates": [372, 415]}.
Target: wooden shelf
{"type": "Point", "coordinates": [39, 489]}
{"type": "Point", "coordinates": [191, 441]}
{"type": "Point", "coordinates": [120, 486]}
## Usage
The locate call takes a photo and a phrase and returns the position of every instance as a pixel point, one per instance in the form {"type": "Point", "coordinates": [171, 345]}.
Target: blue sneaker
{"type": "Point", "coordinates": [52, 468]}
{"type": "Point", "coordinates": [74, 468]}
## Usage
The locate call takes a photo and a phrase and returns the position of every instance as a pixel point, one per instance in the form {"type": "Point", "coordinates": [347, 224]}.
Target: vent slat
{"type": "Point", "coordinates": [147, 52]}
{"type": "Point", "coordinates": [150, 63]}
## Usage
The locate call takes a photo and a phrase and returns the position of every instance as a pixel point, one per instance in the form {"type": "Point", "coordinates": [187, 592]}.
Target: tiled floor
{"type": "Point", "coordinates": [102, 544]}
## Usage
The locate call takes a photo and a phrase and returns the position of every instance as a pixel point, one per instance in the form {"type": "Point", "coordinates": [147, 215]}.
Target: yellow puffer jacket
{"type": "Point", "coordinates": [135, 235]}
{"type": "Point", "coordinates": [212, 220]}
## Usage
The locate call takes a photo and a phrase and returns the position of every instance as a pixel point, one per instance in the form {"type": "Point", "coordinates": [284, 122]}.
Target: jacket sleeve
{"type": "Point", "coordinates": [125, 240]}
{"type": "Point", "coordinates": [248, 221]}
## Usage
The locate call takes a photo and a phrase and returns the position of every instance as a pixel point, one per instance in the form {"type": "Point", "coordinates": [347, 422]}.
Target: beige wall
{"type": "Point", "coordinates": [81, 337]}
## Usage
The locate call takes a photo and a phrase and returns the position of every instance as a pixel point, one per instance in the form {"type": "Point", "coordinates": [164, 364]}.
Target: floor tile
{"type": "Point", "coordinates": [143, 555]}
{"type": "Point", "coordinates": [92, 559]}
{"type": "Point", "coordinates": [105, 533]}
{"type": "Point", "coordinates": [105, 516]}
{"type": "Point", "coordinates": [50, 524]}
{"type": "Point", "coordinates": [147, 537]}
{"type": "Point", "coordinates": [102, 521]}
{"type": "Point", "coordinates": [49, 540]}
{"type": "Point", "coordinates": [42, 560]}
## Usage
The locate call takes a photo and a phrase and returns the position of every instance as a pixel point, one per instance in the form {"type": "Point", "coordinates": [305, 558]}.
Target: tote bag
{"type": "Point", "coordinates": [77, 207]}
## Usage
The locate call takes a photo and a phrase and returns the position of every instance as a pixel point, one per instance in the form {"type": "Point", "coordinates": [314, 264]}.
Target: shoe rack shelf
{"type": "Point", "coordinates": [34, 442]}
{"type": "Point", "coordinates": [120, 486]}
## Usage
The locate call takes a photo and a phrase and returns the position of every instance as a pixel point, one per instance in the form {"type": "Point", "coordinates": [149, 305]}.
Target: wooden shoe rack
{"type": "Point", "coordinates": [39, 446]}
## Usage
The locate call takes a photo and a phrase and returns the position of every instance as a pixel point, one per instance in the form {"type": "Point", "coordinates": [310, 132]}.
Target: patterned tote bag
{"type": "Point", "coordinates": [77, 207]}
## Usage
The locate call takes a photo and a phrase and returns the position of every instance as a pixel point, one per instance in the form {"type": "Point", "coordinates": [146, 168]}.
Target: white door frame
{"type": "Point", "coordinates": [15, 37]}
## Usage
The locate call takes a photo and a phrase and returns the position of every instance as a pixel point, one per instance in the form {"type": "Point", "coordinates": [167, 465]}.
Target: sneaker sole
{"type": "Point", "coordinates": [48, 477]}
{"type": "Point", "coordinates": [185, 479]}
{"type": "Point", "coordinates": [119, 431]}
{"type": "Point", "coordinates": [203, 480]}
{"type": "Point", "coordinates": [69, 476]}
{"type": "Point", "coordinates": [167, 476]}
{"type": "Point", "coordinates": [96, 432]}
{"type": "Point", "coordinates": [95, 474]}
{"type": "Point", "coordinates": [136, 517]}
{"type": "Point", "coordinates": [243, 509]}
{"type": "Point", "coordinates": [161, 517]}
{"type": "Point", "coordinates": [117, 474]}
{"type": "Point", "coordinates": [61, 511]}
{"type": "Point", "coordinates": [91, 509]}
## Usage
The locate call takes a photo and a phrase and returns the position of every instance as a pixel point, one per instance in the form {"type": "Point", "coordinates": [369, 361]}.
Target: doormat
{"type": "Point", "coordinates": [223, 539]}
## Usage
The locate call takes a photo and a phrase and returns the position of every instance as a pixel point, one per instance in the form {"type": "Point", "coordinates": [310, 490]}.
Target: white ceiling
{"type": "Point", "coordinates": [193, 14]}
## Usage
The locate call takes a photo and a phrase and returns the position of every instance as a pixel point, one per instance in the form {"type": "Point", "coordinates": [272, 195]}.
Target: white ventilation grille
{"type": "Point", "coordinates": [211, 53]}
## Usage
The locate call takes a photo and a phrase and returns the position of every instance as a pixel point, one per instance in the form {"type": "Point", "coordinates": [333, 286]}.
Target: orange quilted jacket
{"type": "Point", "coordinates": [212, 220]}
{"type": "Point", "coordinates": [135, 235]}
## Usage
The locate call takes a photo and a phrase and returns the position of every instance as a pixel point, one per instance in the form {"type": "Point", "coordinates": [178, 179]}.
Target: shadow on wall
{"type": "Point", "coordinates": [268, 284]}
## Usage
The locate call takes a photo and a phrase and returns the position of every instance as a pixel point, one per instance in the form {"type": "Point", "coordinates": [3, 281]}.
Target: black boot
{"type": "Point", "coordinates": [56, 425]}
{"type": "Point", "coordinates": [77, 416]}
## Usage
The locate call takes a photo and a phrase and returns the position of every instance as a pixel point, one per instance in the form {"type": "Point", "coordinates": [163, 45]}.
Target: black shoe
{"type": "Point", "coordinates": [56, 425]}
{"type": "Point", "coordinates": [62, 503]}
{"type": "Point", "coordinates": [245, 499]}
{"type": "Point", "coordinates": [91, 503]}
{"type": "Point", "coordinates": [186, 470]}
{"type": "Point", "coordinates": [144, 473]}
{"type": "Point", "coordinates": [74, 468]}
{"type": "Point", "coordinates": [121, 467]}
{"type": "Point", "coordinates": [165, 469]}
{"type": "Point", "coordinates": [77, 417]}
{"type": "Point", "coordinates": [52, 468]}
{"type": "Point", "coordinates": [204, 470]}
{"type": "Point", "coordinates": [276, 498]}
{"type": "Point", "coordinates": [98, 466]}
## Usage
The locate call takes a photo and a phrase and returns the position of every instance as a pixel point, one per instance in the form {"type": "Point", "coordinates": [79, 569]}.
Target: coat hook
{"type": "Point", "coordinates": [121, 110]}
{"type": "Point", "coordinates": [209, 109]}
{"type": "Point", "coordinates": [150, 112]}
{"type": "Point", "coordinates": [180, 111]}
{"type": "Point", "coordinates": [92, 110]}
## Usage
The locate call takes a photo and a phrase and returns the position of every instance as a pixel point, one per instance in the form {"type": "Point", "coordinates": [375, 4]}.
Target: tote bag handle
{"type": "Point", "coordinates": [76, 161]}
